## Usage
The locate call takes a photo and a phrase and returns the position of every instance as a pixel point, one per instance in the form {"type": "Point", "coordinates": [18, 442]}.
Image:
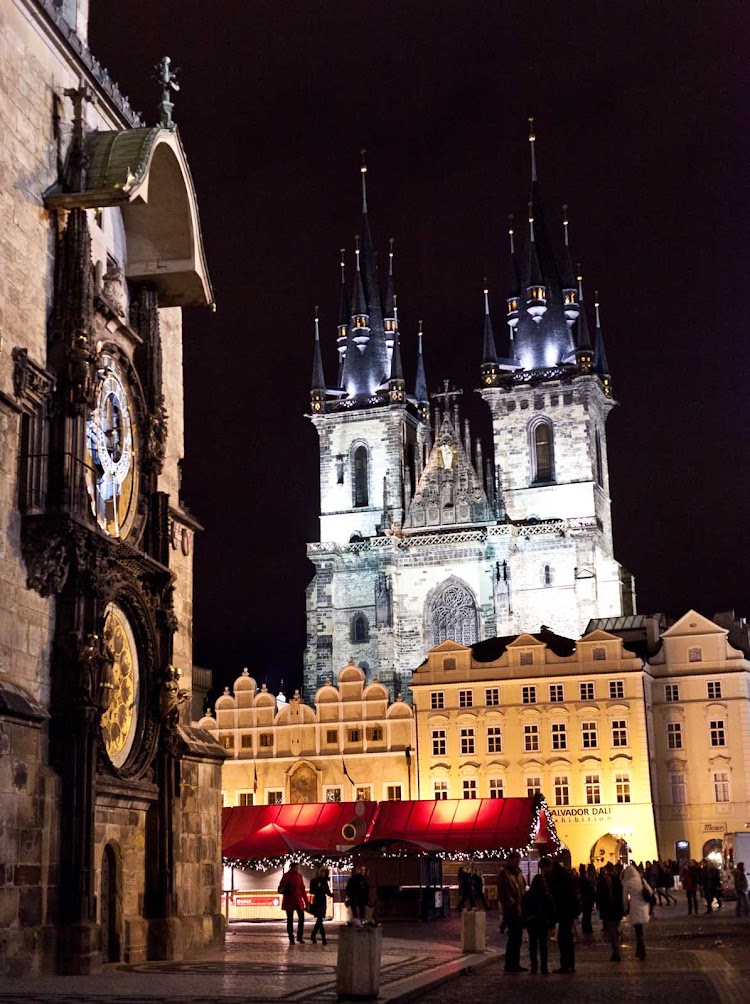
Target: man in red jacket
{"type": "Point", "coordinates": [294, 900]}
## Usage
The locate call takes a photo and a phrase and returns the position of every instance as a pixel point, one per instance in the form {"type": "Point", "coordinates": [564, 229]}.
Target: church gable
{"type": "Point", "coordinates": [450, 491]}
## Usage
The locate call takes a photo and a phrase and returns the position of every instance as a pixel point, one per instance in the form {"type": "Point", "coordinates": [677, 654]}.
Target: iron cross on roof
{"type": "Point", "coordinates": [447, 395]}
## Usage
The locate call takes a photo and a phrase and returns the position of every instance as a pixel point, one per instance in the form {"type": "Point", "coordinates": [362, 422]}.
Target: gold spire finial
{"type": "Point", "coordinates": [532, 135]}
{"type": "Point", "coordinates": [363, 166]}
{"type": "Point", "coordinates": [532, 141]}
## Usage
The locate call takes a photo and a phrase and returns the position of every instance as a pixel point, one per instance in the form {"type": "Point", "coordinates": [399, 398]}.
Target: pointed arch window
{"type": "Point", "coordinates": [360, 629]}
{"type": "Point", "coordinates": [542, 452]}
{"type": "Point", "coordinates": [452, 615]}
{"type": "Point", "coordinates": [360, 477]}
{"type": "Point", "coordinates": [599, 469]}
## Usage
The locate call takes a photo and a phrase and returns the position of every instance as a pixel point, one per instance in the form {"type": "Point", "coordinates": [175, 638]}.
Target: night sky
{"type": "Point", "coordinates": [642, 128]}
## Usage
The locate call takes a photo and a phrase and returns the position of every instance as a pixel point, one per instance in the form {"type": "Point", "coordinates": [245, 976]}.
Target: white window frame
{"type": "Point", "coordinates": [589, 735]}
{"type": "Point", "coordinates": [619, 730]}
{"type": "Point", "coordinates": [528, 694]}
{"type": "Point", "coordinates": [531, 738]}
{"type": "Point", "coordinates": [495, 785]}
{"type": "Point", "coordinates": [361, 790]}
{"type": "Point", "coordinates": [593, 789]}
{"type": "Point", "coordinates": [533, 786]}
{"type": "Point", "coordinates": [492, 697]}
{"type": "Point", "coordinates": [440, 790]}
{"type": "Point", "coordinates": [274, 796]}
{"type": "Point", "coordinates": [330, 790]}
{"type": "Point", "coordinates": [466, 698]}
{"type": "Point", "coordinates": [468, 741]}
{"type": "Point", "coordinates": [556, 693]}
{"type": "Point", "coordinates": [248, 795]}
{"type": "Point", "coordinates": [622, 789]}
{"type": "Point", "coordinates": [718, 732]}
{"type": "Point", "coordinates": [561, 786]}
{"type": "Point", "coordinates": [678, 789]}
{"type": "Point", "coordinates": [671, 693]}
{"type": "Point", "coordinates": [559, 735]}
{"type": "Point", "coordinates": [713, 690]}
{"type": "Point", "coordinates": [469, 787]}
{"type": "Point", "coordinates": [494, 739]}
{"type": "Point", "coordinates": [586, 690]}
{"type": "Point", "coordinates": [722, 790]}
{"type": "Point", "coordinates": [439, 739]}
{"type": "Point", "coordinates": [616, 690]}
{"type": "Point", "coordinates": [675, 738]}
{"type": "Point", "coordinates": [437, 700]}
{"type": "Point", "coordinates": [393, 792]}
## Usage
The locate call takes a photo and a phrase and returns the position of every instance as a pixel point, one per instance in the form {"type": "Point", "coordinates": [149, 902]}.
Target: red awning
{"type": "Point", "coordinates": [254, 832]}
{"type": "Point", "coordinates": [251, 832]}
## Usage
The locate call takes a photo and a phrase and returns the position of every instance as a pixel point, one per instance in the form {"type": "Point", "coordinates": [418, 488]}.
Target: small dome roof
{"type": "Point", "coordinates": [245, 681]}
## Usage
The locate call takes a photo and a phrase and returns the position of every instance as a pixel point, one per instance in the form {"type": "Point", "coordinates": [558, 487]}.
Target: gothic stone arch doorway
{"type": "Point", "coordinates": [108, 905]}
{"type": "Point", "coordinates": [609, 848]}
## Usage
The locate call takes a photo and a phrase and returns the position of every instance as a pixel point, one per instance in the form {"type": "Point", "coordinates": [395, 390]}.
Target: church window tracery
{"type": "Point", "coordinates": [452, 615]}
{"type": "Point", "coordinates": [542, 452]}
{"type": "Point", "coordinates": [360, 477]}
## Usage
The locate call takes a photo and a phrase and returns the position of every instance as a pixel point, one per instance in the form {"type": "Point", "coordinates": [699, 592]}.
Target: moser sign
{"type": "Point", "coordinates": [714, 827]}
{"type": "Point", "coordinates": [580, 814]}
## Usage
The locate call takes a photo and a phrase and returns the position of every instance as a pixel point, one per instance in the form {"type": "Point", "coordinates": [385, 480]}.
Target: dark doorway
{"type": "Point", "coordinates": [108, 901]}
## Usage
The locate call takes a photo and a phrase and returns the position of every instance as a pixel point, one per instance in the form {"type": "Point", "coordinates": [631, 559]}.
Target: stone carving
{"type": "Point", "coordinates": [31, 384]}
{"type": "Point", "coordinates": [171, 698]}
{"type": "Point", "coordinates": [96, 661]}
{"type": "Point", "coordinates": [383, 601]}
{"type": "Point", "coordinates": [46, 554]}
{"type": "Point", "coordinates": [114, 291]}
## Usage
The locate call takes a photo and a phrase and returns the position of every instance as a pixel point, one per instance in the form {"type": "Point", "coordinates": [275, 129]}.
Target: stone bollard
{"type": "Point", "coordinates": [473, 931]}
{"type": "Point", "coordinates": [358, 962]}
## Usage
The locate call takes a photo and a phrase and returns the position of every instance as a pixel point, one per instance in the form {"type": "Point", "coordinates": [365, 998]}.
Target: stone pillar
{"type": "Point", "coordinates": [473, 931]}
{"type": "Point", "coordinates": [358, 962]}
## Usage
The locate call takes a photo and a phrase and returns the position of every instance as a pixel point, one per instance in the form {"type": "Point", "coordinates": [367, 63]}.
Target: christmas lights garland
{"type": "Point", "coordinates": [344, 862]}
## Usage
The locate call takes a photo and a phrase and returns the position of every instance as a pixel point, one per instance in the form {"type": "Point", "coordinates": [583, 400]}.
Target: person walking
{"type": "Point", "coordinates": [691, 876]}
{"type": "Point", "coordinates": [587, 891]}
{"type": "Point", "coordinates": [664, 883]}
{"type": "Point", "coordinates": [511, 886]}
{"type": "Point", "coordinates": [294, 900]}
{"type": "Point", "coordinates": [539, 916]}
{"type": "Point", "coordinates": [319, 889]}
{"type": "Point", "coordinates": [465, 889]}
{"type": "Point", "coordinates": [477, 890]}
{"type": "Point", "coordinates": [358, 894]}
{"type": "Point", "coordinates": [610, 906]}
{"type": "Point", "coordinates": [567, 909]}
{"type": "Point", "coordinates": [636, 902]}
{"type": "Point", "coordinates": [740, 885]}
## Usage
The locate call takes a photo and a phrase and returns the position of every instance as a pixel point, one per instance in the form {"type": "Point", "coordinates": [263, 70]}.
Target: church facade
{"type": "Point", "coordinates": [422, 538]}
{"type": "Point", "coordinates": [109, 841]}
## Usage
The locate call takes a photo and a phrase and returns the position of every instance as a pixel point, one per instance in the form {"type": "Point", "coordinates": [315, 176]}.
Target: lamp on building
{"type": "Point", "coordinates": [407, 754]}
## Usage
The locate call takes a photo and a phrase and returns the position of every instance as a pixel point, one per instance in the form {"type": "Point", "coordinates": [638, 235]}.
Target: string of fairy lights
{"type": "Point", "coordinates": [343, 862]}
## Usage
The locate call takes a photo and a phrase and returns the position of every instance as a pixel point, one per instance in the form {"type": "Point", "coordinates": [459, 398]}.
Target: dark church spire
{"type": "Point", "coordinates": [584, 351]}
{"type": "Point", "coordinates": [420, 385]}
{"type": "Point", "coordinates": [568, 279]}
{"type": "Point", "coordinates": [601, 366]}
{"type": "Point", "coordinates": [344, 317]}
{"type": "Point", "coordinates": [489, 354]}
{"type": "Point", "coordinates": [318, 383]}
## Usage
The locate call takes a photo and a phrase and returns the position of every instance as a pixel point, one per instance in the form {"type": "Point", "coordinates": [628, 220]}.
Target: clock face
{"type": "Point", "coordinates": [120, 719]}
{"type": "Point", "coordinates": [112, 452]}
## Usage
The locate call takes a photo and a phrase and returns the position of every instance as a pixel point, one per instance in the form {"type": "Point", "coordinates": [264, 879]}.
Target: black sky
{"type": "Point", "coordinates": [642, 126]}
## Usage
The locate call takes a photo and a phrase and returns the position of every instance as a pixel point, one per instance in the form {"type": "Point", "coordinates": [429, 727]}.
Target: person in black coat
{"type": "Point", "coordinates": [567, 908]}
{"type": "Point", "coordinates": [320, 888]}
{"type": "Point", "coordinates": [358, 893]}
{"type": "Point", "coordinates": [539, 916]}
{"type": "Point", "coordinates": [609, 903]}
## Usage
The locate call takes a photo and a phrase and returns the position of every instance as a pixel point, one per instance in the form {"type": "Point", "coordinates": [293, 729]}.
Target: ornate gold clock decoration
{"type": "Point", "coordinates": [112, 451]}
{"type": "Point", "coordinates": [120, 720]}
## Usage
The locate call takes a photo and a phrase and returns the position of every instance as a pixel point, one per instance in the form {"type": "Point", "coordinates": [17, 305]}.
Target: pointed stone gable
{"type": "Point", "coordinates": [693, 623]}
{"type": "Point", "coordinates": [450, 491]}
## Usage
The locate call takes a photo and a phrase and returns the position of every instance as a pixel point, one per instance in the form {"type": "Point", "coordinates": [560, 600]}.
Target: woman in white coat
{"type": "Point", "coordinates": [636, 905]}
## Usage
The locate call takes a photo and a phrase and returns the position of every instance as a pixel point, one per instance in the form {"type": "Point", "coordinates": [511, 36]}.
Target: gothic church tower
{"type": "Point", "coordinates": [423, 539]}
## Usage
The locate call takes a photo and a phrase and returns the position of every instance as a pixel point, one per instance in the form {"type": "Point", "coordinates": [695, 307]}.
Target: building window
{"type": "Point", "coordinates": [449, 664]}
{"type": "Point", "coordinates": [360, 629]}
{"type": "Point", "coordinates": [589, 738]}
{"type": "Point", "coordinates": [587, 691]}
{"type": "Point", "coordinates": [453, 615]}
{"type": "Point", "coordinates": [393, 793]}
{"type": "Point", "coordinates": [679, 789]}
{"type": "Point", "coordinates": [437, 700]}
{"type": "Point", "coordinates": [497, 787]}
{"type": "Point", "coordinates": [721, 786]}
{"type": "Point", "coordinates": [559, 736]}
{"type": "Point", "coordinates": [467, 741]}
{"type": "Point", "coordinates": [526, 659]}
{"type": "Point", "coordinates": [598, 466]}
{"type": "Point", "coordinates": [354, 735]}
{"type": "Point", "coordinates": [533, 786]}
{"type": "Point", "coordinates": [375, 734]}
{"type": "Point", "coordinates": [494, 739]}
{"type": "Point", "coordinates": [466, 698]}
{"type": "Point", "coordinates": [528, 695]}
{"type": "Point", "coordinates": [247, 742]}
{"type": "Point", "coordinates": [332, 736]}
{"type": "Point", "coordinates": [440, 790]}
{"type": "Point", "coordinates": [364, 793]}
{"type": "Point", "coordinates": [547, 575]}
{"type": "Point", "coordinates": [556, 693]}
{"type": "Point", "coordinates": [227, 742]}
{"type": "Point", "coordinates": [714, 690]}
{"type": "Point", "coordinates": [718, 736]}
{"type": "Point", "coordinates": [361, 478]}
{"type": "Point", "coordinates": [245, 798]}
{"type": "Point", "coordinates": [593, 789]}
{"type": "Point", "coordinates": [562, 790]}
{"type": "Point", "coordinates": [492, 697]}
{"type": "Point", "coordinates": [439, 742]}
{"type": "Point", "coordinates": [531, 738]}
{"type": "Point", "coordinates": [275, 797]}
{"type": "Point", "coordinates": [266, 740]}
{"type": "Point", "coordinates": [616, 689]}
{"type": "Point", "coordinates": [333, 794]}
{"type": "Point", "coordinates": [619, 732]}
{"type": "Point", "coordinates": [339, 470]}
{"type": "Point", "coordinates": [543, 452]}
{"type": "Point", "coordinates": [469, 788]}
{"type": "Point", "coordinates": [622, 787]}
{"type": "Point", "coordinates": [671, 692]}
{"type": "Point", "coordinates": [674, 735]}
{"type": "Point", "coordinates": [599, 654]}
{"type": "Point", "coordinates": [695, 654]}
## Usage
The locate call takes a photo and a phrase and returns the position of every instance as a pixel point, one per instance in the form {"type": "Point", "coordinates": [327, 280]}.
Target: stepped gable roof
{"type": "Point", "coordinates": [493, 648]}
{"type": "Point", "coordinates": [450, 491]}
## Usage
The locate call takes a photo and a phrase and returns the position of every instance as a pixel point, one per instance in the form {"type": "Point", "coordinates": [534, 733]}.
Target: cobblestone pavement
{"type": "Point", "coordinates": [699, 959]}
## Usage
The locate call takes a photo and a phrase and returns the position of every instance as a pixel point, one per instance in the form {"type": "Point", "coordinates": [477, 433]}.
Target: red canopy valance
{"type": "Point", "coordinates": [452, 826]}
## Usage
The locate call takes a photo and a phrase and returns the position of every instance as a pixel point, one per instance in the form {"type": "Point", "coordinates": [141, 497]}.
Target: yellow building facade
{"type": "Point", "coordinates": [511, 717]}
{"type": "Point", "coordinates": [353, 745]}
{"type": "Point", "coordinates": [699, 690]}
